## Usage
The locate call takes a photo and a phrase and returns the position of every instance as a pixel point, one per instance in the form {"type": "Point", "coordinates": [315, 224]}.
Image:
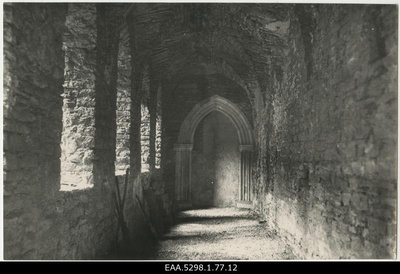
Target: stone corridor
{"type": "Point", "coordinates": [122, 122]}
{"type": "Point", "coordinates": [221, 234]}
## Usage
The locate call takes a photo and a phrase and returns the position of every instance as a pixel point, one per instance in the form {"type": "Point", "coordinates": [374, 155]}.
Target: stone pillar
{"type": "Point", "coordinates": [106, 96]}
{"type": "Point", "coordinates": [246, 154]}
{"type": "Point", "coordinates": [183, 165]}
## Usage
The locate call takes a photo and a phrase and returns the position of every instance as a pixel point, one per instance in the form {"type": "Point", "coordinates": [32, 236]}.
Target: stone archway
{"type": "Point", "coordinates": [184, 146]}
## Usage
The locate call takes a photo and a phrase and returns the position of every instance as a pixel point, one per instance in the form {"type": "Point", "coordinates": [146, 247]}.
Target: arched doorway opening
{"type": "Point", "coordinates": [184, 146]}
{"type": "Point", "coordinates": [215, 163]}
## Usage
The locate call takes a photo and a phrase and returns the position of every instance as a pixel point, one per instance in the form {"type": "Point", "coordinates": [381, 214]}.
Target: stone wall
{"type": "Point", "coordinates": [77, 142]}
{"type": "Point", "coordinates": [215, 162]}
{"type": "Point", "coordinates": [123, 105]}
{"type": "Point", "coordinates": [33, 70]}
{"type": "Point", "coordinates": [145, 119]}
{"type": "Point", "coordinates": [326, 171]}
{"type": "Point", "coordinates": [159, 134]}
{"type": "Point", "coordinates": [150, 127]}
{"type": "Point", "coordinates": [145, 138]}
{"type": "Point", "coordinates": [40, 221]}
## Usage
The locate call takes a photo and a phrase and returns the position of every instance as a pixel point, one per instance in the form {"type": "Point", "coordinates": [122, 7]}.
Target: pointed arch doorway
{"type": "Point", "coordinates": [183, 149]}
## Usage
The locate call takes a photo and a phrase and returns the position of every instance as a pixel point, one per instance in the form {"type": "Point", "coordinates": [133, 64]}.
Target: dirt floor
{"type": "Point", "coordinates": [220, 234]}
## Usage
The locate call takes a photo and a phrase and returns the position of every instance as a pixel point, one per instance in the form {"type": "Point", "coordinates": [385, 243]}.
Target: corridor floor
{"type": "Point", "coordinates": [221, 234]}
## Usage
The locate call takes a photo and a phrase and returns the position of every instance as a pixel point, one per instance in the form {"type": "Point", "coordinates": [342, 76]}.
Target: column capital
{"type": "Point", "coordinates": [246, 148]}
{"type": "Point", "coordinates": [180, 147]}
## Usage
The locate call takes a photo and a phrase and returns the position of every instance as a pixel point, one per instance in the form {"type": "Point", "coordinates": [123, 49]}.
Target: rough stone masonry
{"type": "Point", "coordinates": [93, 91]}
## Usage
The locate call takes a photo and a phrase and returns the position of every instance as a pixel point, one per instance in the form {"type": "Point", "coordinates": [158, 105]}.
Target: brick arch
{"type": "Point", "coordinates": [185, 144]}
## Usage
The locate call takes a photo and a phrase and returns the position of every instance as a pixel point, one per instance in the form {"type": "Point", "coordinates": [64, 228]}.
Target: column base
{"type": "Point", "coordinates": [244, 204]}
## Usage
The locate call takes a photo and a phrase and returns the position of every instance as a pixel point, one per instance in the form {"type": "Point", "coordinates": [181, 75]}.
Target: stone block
{"type": "Point", "coordinates": [355, 182]}
{"type": "Point", "coordinates": [387, 213]}
{"type": "Point", "coordinates": [356, 245]}
{"type": "Point", "coordinates": [346, 197]}
{"type": "Point", "coordinates": [388, 201]}
{"type": "Point", "coordinates": [359, 201]}
{"type": "Point", "coordinates": [376, 226]}
{"type": "Point", "coordinates": [352, 229]}
{"type": "Point", "coordinates": [358, 168]}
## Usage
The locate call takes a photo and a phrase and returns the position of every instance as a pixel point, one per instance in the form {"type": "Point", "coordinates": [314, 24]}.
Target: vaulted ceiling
{"type": "Point", "coordinates": [243, 42]}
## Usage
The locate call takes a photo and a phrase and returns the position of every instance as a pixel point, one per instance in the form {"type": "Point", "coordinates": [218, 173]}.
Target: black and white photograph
{"type": "Point", "coordinates": [200, 131]}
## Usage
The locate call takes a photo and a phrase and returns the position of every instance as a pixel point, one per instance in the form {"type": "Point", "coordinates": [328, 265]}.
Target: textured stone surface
{"type": "Point", "coordinates": [40, 222]}
{"type": "Point", "coordinates": [150, 127]}
{"type": "Point", "coordinates": [33, 66]}
{"type": "Point", "coordinates": [77, 142]}
{"type": "Point", "coordinates": [123, 105]}
{"type": "Point", "coordinates": [215, 162]}
{"type": "Point", "coordinates": [325, 173]}
{"type": "Point", "coordinates": [145, 138]}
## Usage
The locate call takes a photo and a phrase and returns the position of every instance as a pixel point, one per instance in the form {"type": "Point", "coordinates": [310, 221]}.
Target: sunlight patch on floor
{"type": "Point", "coordinates": [221, 234]}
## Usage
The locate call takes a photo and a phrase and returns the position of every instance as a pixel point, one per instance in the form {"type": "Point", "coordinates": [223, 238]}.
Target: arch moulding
{"type": "Point", "coordinates": [184, 147]}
